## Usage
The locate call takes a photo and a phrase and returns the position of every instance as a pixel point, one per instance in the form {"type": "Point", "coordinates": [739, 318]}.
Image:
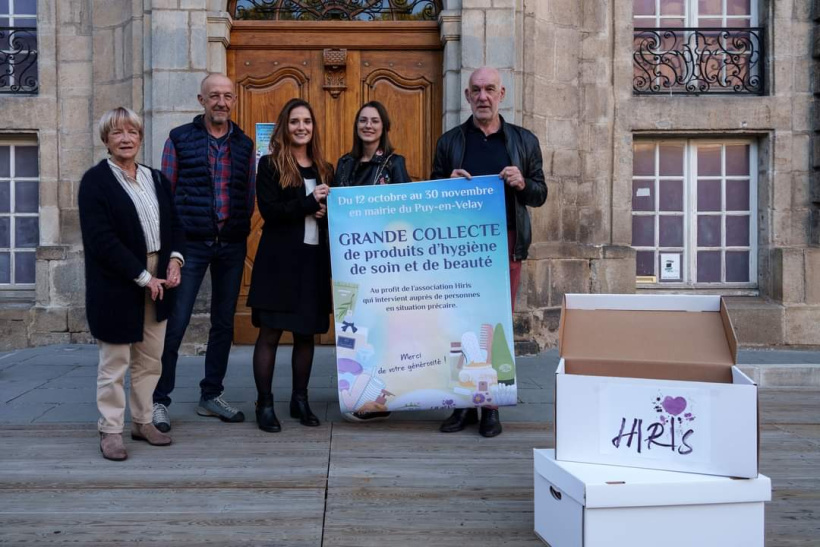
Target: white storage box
{"type": "Point", "coordinates": [650, 382]}
{"type": "Point", "coordinates": [588, 505]}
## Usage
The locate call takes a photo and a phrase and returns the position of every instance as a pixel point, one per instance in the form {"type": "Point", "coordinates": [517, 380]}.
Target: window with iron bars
{"type": "Point", "coordinates": [18, 47]}
{"type": "Point", "coordinates": [697, 46]}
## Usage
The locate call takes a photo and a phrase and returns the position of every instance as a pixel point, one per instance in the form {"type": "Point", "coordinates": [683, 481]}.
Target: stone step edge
{"type": "Point", "coordinates": [783, 375]}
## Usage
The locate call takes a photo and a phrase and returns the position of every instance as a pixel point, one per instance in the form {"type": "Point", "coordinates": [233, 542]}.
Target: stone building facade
{"type": "Point", "coordinates": [569, 70]}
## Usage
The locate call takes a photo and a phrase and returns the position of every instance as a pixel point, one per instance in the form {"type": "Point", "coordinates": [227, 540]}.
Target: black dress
{"type": "Point", "coordinates": [379, 170]}
{"type": "Point", "coordinates": [290, 283]}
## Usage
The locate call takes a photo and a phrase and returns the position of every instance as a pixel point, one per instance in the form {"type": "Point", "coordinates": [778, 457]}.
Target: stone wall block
{"type": "Point", "coordinates": [500, 38]}
{"type": "Point", "coordinates": [613, 276]}
{"type": "Point", "coordinates": [110, 13]}
{"type": "Point", "coordinates": [801, 325]}
{"type": "Point", "coordinates": [51, 319]}
{"type": "Point", "coordinates": [51, 252]}
{"type": "Point", "coordinates": [563, 134]}
{"type": "Point", "coordinates": [68, 279]}
{"type": "Point", "coordinates": [199, 40]}
{"type": "Point", "coordinates": [566, 12]}
{"type": "Point", "coordinates": [757, 325]}
{"type": "Point", "coordinates": [788, 276]}
{"type": "Point", "coordinates": [77, 321]}
{"type": "Point", "coordinates": [71, 47]}
{"type": "Point", "coordinates": [568, 276]}
{"type": "Point", "coordinates": [522, 326]}
{"type": "Point", "coordinates": [13, 331]}
{"type": "Point", "coordinates": [814, 237]}
{"type": "Point", "coordinates": [812, 275]}
{"type": "Point", "coordinates": [472, 38]}
{"type": "Point", "coordinates": [49, 338]}
{"type": "Point", "coordinates": [177, 91]}
{"type": "Point", "coordinates": [557, 100]}
{"type": "Point", "coordinates": [566, 163]}
{"type": "Point", "coordinates": [543, 50]}
{"type": "Point", "coordinates": [567, 55]}
{"type": "Point", "coordinates": [169, 39]}
{"type": "Point", "coordinates": [75, 115]}
{"type": "Point", "coordinates": [193, 4]}
{"type": "Point", "coordinates": [536, 289]}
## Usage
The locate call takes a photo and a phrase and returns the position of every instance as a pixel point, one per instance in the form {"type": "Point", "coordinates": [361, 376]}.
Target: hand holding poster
{"type": "Point", "coordinates": [421, 295]}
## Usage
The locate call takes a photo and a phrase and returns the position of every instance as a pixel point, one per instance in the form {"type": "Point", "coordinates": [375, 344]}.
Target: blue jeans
{"type": "Point", "coordinates": [226, 261]}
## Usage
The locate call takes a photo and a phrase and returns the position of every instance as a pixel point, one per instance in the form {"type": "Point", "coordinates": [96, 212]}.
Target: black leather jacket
{"type": "Point", "coordinates": [390, 170]}
{"type": "Point", "coordinates": [525, 153]}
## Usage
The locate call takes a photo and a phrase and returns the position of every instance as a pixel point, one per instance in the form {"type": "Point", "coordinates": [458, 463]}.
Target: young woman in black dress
{"type": "Point", "coordinates": [290, 285]}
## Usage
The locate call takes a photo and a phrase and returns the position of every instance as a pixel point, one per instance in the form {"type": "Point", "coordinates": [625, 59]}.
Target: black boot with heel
{"type": "Point", "coordinates": [299, 408]}
{"type": "Point", "coordinates": [265, 417]}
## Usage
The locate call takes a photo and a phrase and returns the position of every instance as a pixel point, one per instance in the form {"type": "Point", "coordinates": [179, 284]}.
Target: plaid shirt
{"type": "Point", "coordinates": [219, 160]}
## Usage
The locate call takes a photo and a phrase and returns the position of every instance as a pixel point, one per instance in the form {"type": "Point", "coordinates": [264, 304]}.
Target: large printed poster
{"type": "Point", "coordinates": [421, 295]}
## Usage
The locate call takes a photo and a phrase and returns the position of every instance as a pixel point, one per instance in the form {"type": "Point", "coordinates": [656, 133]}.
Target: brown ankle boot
{"type": "Point", "coordinates": [112, 447]}
{"type": "Point", "coordinates": [149, 433]}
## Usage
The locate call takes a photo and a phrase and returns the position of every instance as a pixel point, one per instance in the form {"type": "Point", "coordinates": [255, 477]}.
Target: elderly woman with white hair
{"type": "Point", "coordinates": [134, 247]}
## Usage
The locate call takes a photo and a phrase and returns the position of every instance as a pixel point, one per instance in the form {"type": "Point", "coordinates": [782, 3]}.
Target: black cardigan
{"type": "Point", "coordinates": [276, 278]}
{"type": "Point", "coordinates": [115, 254]}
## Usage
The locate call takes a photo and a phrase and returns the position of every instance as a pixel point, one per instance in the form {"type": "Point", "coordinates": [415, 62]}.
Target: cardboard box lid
{"type": "Point", "coordinates": [665, 337]}
{"type": "Point", "coordinates": [600, 486]}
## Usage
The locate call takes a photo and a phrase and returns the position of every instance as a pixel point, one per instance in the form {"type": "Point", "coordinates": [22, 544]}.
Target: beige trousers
{"type": "Point", "coordinates": [144, 361]}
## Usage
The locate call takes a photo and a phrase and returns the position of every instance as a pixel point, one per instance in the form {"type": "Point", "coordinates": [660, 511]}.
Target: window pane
{"type": "Point", "coordinates": [738, 7]}
{"type": "Point", "coordinates": [645, 261]}
{"type": "Point", "coordinates": [671, 231]}
{"type": "Point", "coordinates": [26, 196]}
{"type": "Point", "coordinates": [5, 232]}
{"type": "Point", "coordinates": [27, 7]}
{"type": "Point", "coordinates": [702, 22]}
{"type": "Point", "coordinates": [643, 231]}
{"type": "Point", "coordinates": [737, 266]}
{"type": "Point", "coordinates": [27, 22]}
{"type": "Point", "coordinates": [708, 266]}
{"type": "Point", "coordinates": [5, 267]}
{"type": "Point", "coordinates": [4, 6]}
{"type": "Point", "coordinates": [643, 159]}
{"type": "Point", "coordinates": [708, 161]}
{"type": "Point", "coordinates": [5, 165]}
{"type": "Point", "coordinates": [671, 160]}
{"type": "Point", "coordinates": [708, 195]}
{"type": "Point", "coordinates": [737, 195]}
{"type": "Point", "coordinates": [740, 22]}
{"type": "Point", "coordinates": [26, 161]}
{"type": "Point", "coordinates": [5, 196]}
{"type": "Point", "coordinates": [26, 232]}
{"type": "Point", "coordinates": [672, 7]}
{"type": "Point", "coordinates": [709, 7]}
{"type": "Point", "coordinates": [708, 231]}
{"type": "Point", "coordinates": [643, 7]}
{"type": "Point", "coordinates": [643, 196]}
{"type": "Point", "coordinates": [737, 231]}
{"type": "Point", "coordinates": [671, 195]}
{"type": "Point", "coordinates": [737, 160]}
{"type": "Point", "coordinates": [24, 267]}
{"type": "Point", "coordinates": [671, 23]}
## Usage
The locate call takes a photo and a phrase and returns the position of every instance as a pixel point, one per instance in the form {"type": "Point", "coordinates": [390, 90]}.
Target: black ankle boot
{"type": "Point", "coordinates": [459, 419]}
{"type": "Point", "coordinates": [299, 408]}
{"type": "Point", "coordinates": [490, 425]}
{"type": "Point", "coordinates": [265, 418]}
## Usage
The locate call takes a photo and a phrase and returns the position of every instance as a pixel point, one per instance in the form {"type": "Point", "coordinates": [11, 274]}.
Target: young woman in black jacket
{"type": "Point", "coordinates": [290, 284]}
{"type": "Point", "coordinates": [372, 160]}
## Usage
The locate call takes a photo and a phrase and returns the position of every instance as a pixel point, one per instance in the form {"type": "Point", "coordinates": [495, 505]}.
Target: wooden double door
{"type": "Point", "coordinates": [337, 66]}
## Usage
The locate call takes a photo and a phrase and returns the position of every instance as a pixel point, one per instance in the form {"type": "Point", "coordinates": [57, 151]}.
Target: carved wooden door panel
{"type": "Point", "coordinates": [337, 70]}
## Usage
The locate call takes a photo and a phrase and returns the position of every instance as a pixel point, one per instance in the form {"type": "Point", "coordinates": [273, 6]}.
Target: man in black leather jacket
{"type": "Point", "coordinates": [487, 145]}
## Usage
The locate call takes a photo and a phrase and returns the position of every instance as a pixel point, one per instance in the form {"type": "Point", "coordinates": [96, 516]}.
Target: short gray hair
{"type": "Point", "coordinates": [117, 118]}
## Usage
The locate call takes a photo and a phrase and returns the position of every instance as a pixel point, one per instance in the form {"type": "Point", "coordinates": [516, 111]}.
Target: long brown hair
{"type": "Point", "coordinates": [384, 141]}
{"type": "Point", "coordinates": [282, 158]}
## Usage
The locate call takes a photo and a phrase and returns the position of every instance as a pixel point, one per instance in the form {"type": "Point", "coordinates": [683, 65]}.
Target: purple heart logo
{"type": "Point", "coordinates": [674, 406]}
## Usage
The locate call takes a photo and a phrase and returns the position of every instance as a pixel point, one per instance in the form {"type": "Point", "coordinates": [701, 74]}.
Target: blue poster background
{"type": "Point", "coordinates": [422, 295]}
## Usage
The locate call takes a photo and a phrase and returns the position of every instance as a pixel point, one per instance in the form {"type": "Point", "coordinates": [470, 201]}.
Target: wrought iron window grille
{"type": "Point", "coordinates": [698, 60]}
{"type": "Point", "coordinates": [18, 60]}
{"type": "Point", "coordinates": [338, 10]}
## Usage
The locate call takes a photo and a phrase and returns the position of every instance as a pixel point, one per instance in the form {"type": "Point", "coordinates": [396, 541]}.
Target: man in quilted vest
{"type": "Point", "coordinates": [211, 166]}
